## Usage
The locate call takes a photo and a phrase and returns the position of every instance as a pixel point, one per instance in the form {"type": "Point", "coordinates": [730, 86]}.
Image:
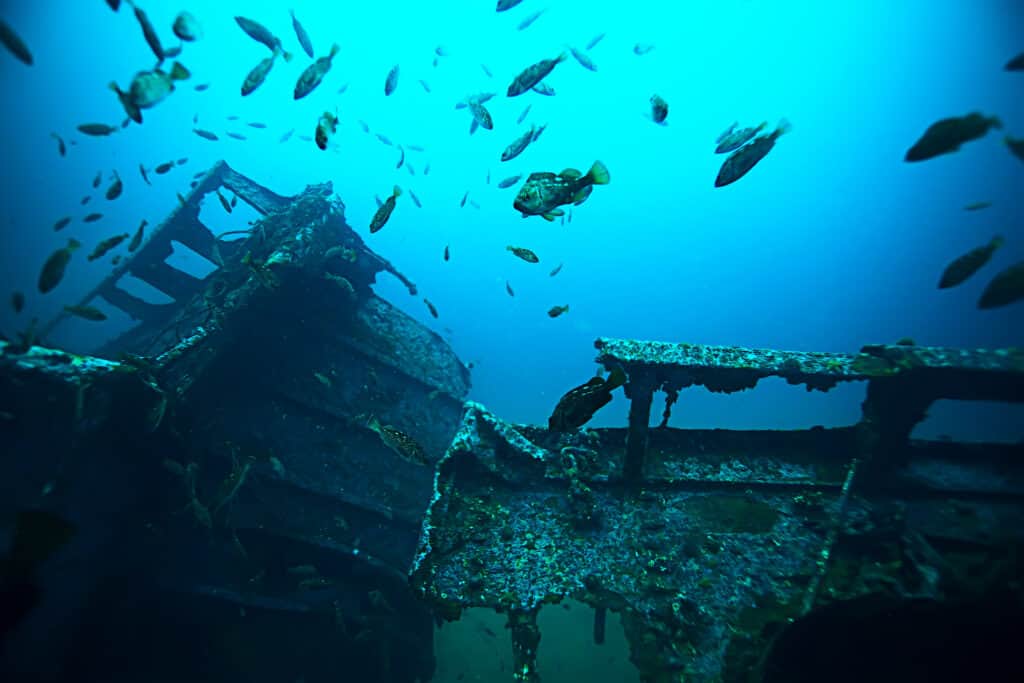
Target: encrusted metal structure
{"type": "Point", "coordinates": [715, 546]}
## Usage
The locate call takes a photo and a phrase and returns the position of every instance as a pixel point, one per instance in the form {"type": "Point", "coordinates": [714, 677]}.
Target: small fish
{"type": "Point", "coordinates": [426, 169]}
{"type": "Point", "coordinates": [555, 271]}
{"type": "Point", "coordinates": [946, 136]}
{"type": "Point", "coordinates": [164, 167]}
{"type": "Point", "coordinates": [287, 136]}
{"type": "Point", "coordinates": [462, 204]}
{"type": "Point", "coordinates": [53, 269]}
{"type": "Point", "coordinates": [86, 313]}
{"type": "Point", "coordinates": [1005, 288]}
{"type": "Point", "coordinates": [1016, 146]}
{"type": "Point", "coordinates": [137, 237]}
{"type": "Point", "coordinates": [300, 33]}
{"type": "Point", "coordinates": [92, 217]}
{"type": "Point", "coordinates": [314, 74]}
{"type": "Point", "coordinates": [115, 189]}
{"type": "Point", "coordinates": [106, 245]}
{"type": "Point", "coordinates": [415, 199]}
{"type": "Point", "coordinates": [262, 34]}
{"type": "Point", "coordinates": [61, 223]}
{"type": "Point", "coordinates": [595, 40]}
{"type": "Point", "coordinates": [508, 288]}
{"type": "Point", "coordinates": [481, 116]}
{"type": "Point", "coordinates": [735, 139]}
{"type": "Point", "coordinates": [970, 263]}
{"type": "Point", "coordinates": [642, 48]}
{"type": "Point", "coordinates": [257, 76]}
{"type": "Point", "coordinates": [149, 33]}
{"type": "Point", "coordinates": [85, 200]}
{"type": "Point", "coordinates": [96, 129]}
{"type": "Point", "coordinates": [233, 117]}
{"type": "Point", "coordinates": [224, 202]}
{"type": "Point", "coordinates": [384, 211]}
{"type": "Point", "coordinates": [507, 5]}
{"type": "Point", "coordinates": [544, 89]}
{"type": "Point", "coordinates": [326, 126]}
{"type": "Point", "coordinates": [401, 159]}
{"type": "Point", "coordinates": [365, 126]}
{"type": "Point", "coordinates": [14, 43]}
{"type": "Point", "coordinates": [259, 125]}
{"type": "Point", "coordinates": [488, 178]}
{"type": "Point", "coordinates": [528, 21]}
{"type": "Point", "coordinates": [205, 134]}
{"type": "Point", "coordinates": [474, 204]}
{"type": "Point", "coordinates": [201, 87]}
{"type": "Point", "coordinates": [523, 253]}
{"type": "Point", "coordinates": [578, 405]}
{"type": "Point", "coordinates": [392, 81]}
{"type": "Point", "coordinates": [977, 206]}
{"type": "Point", "coordinates": [518, 145]}
{"type": "Point", "coordinates": [235, 136]}
{"type": "Point", "coordinates": [97, 180]}
{"type": "Point", "coordinates": [739, 163]}
{"type": "Point", "coordinates": [556, 311]}
{"type": "Point", "coordinates": [409, 168]}
{"type": "Point", "coordinates": [187, 28]}
{"type": "Point", "coordinates": [441, 51]}
{"type": "Point", "coordinates": [544, 192]}
{"type": "Point", "coordinates": [430, 307]}
{"type": "Point", "coordinates": [509, 182]}
{"type": "Point", "coordinates": [402, 444]}
{"type": "Point", "coordinates": [182, 161]}
{"type": "Point", "coordinates": [659, 110]}
{"type": "Point", "coordinates": [149, 88]}
{"type": "Point", "coordinates": [61, 147]}
{"type": "Point", "coordinates": [425, 85]}
{"type": "Point", "coordinates": [522, 117]}
{"type": "Point", "coordinates": [343, 88]}
{"type": "Point", "coordinates": [1016, 64]}
{"type": "Point", "coordinates": [234, 201]}
{"type": "Point", "coordinates": [532, 75]}
{"type": "Point", "coordinates": [385, 140]}
{"type": "Point", "coordinates": [583, 58]}
{"type": "Point", "coordinates": [727, 132]}
{"type": "Point", "coordinates": [18, 301]}
{"type": "Point", "coordinates": [486, 71]}
{"type": "Point", "coordinates": [447, 253]}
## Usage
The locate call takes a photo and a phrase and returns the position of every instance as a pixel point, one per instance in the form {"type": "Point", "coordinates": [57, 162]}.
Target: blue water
{"type": "Point", "coordinates": [831, 242]}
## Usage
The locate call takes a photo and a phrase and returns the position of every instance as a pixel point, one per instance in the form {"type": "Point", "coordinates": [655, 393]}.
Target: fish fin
{"type": "Point", "coordinates": [599, 174]}
{"type": "Point", "coordinates": [784, 127]}
{"type": "Point", "coordinates": [762, 126]}
{"type": "Point", "coordinates": [549, 217]}
{"type": "Point", "coordinates": [561, 58]}
{"type": "Point", "coordinates": [616, 378]}
{"type": "Point", "coordinates": [334, 50]}
{"type": "Point", "coordinates": [179, 72]}
{"type": "Point", "coordinates": [397, 192]}
{"type": "Point", "coordinates": [571, 173]}
{"type": "Point", "coordinates": [996, 242]}
{"type": "Point", "coordinates": [287, 55]}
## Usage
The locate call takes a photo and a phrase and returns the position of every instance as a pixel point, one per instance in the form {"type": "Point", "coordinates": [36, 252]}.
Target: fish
{"type": "Point", "coordinates": [517, 146]}
{"type": "Point", "coordinates": [384, 210]}
{"type": "Point", "coordinates": [642, 48]}
{"type": "Point", "coordinates": [504, 5]}
{"type": "Point", "coordinates": [96, 129]}
{"type": "Point", "coordinates": [61, 147]}
{"type": "Point", "coordinates": [149, 33]}
{"type": "Point", "coordinates": [474, 204]}
{"type": "Point", "coordinates": [556, 311]}
{"type": "Point", "coordinates": [659, 110]}
{"type": "Point", "coordinates": [727, 132]}
{"type": "Point", "coordinates": [544, 192]}
{"type": "Point", "coordinates": [287, 136]}
{"type": "Point", "coordinates": [205, 134]}
{"type": "Point", "coordinates": [1016, 64]}
{"type": "Point", "coordinates": [343, 88]}
{"type": "Point", "coordinates": [977, 206]}
{"type": "Point", "coordinates": [86, 313]}
{"type": "Point", "coordinates": [481, 116]}
{"type": "Point", "coordinates": [385, 140]}
{"type": "Point", "coordinates": [97, 180]}
{"type": "Point", "coordinates": [544, 89]}
{"type": "Point", "coordinates": [595, 40]}
{"type": "Point", "coordinates": [106, 245]}
{"type": "Point", "coordinates": [392, 81]}
{"type": "Point", "coordinates": [114, 4]}
{"type": "Point", "coordinates": [426, 169]}
{"type": "Point", "coordinates": [234, 201]}
{"type": "Point", "coordinates": [258, 74]}
{"type": "Point", "coordinates": [326, 126]}
{"type": "Point", "coordinates": [182, 161]}
{"type": "Point", "coordinates": [186, 27]}
{"type": "Point", "coordinates": [970, 263]}
{"type": "Point", "coordinates": [447, 253]}
{"type": "Point", "coordinates": [737, 138]}
{"type": "Point", "coordinates": [486, 71]}
{"type": "Point", "coordinates": [583, 58]}
{"type": "Point", "coordinates": [262, 34]}
{"type": "Point", "coordinates": [61, 223]}
{"type": "Point", "coordinates": [115, 189]}
{"type": "Point", "coordinates": [149, 88]}
{"type": "Point", "coordinates": [488, 178]}
{"type": "Point", "coordinates": [164, 167]}
{"type": "Point", "coordinates": [532, 75]}
{"type": "Point", "coordinates": [426, 87]}
{"type": "Point", "coordinates": [508, 288]}
{"type": "Point", "coordinates": [430, 307]}
{"type": "Point", "coordinates": [202, 87]}
{"type": "Point", "coordinates": [399, 442]}
{"type": "Point", "coordinates": [480, 98]}
{"type": "Point", "coordinates": [54, 267]}
{"type": "Point", "coordinates": [14, 43]}
{"type": "Point", "coordinates": [946, 136]}
{"type": "Point", "coordinates": [578, 405]}
{"type": "Point", "coordinates": [415, 199]}
{"type": "Point", "coordinates": [85, 200]}
{"type": "Point", "coordinates": [363, 125]}
{"type": "Point", "coordinates": [509, 182]}
{"type": "Point", "coordinates": [409, 168]}
{"type": "Point", "coordinates": [233, 117]}
{"type": "Point", "coordinates": [401, 159]}
{"type": "Point", "coordinates": [137, 237]}
{"type": "Point", "coordinates": [300, 33]}
{"type": "Point", "coordinates": [145, 176]}
{"type": "Point", "coordinates": [1016, 146]}
{"type": "Point", "coordinates": [522, 117]}
{"type": "Point", "coordinates": [224, 202]}
{"type": "Point", "coordinates": [739, 163]}
{"type": "Point", "coordinates": [236, 136]}
{"type": "Point", "coordinates": [523, 253]}
{"type": "Point", "coordinates": [464, 198]}
{"type": "Point", "coordinates": [528, 21]}
{"type": "Point", "coordinates": [555, 271]}
{"type": "Point", "coordinates": [92, 217]}
{"type": "Point", "coordinates": [314, 74]}
{"type": "Point", "coordinates": [441, 51]}
{"type": "Point", "coordinates": [1005, 288]}
{"type": "Point", "coordinates": [18, 301]}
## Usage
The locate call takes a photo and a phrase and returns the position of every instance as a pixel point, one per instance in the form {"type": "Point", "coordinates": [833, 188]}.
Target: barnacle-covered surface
{"type": "Point", "coordinates": [722, 543]}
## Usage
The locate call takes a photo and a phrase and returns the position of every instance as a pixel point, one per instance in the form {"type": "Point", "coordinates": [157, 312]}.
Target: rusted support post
{"type": "Point", "coordinates": [525, 639]}
{"type": "Point", "coordinates": [640, 391]}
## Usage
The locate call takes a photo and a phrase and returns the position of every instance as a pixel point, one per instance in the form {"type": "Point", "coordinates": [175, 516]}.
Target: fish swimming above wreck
{"type": "Point", "coordinates": [543, 192]}
{"type": "Point", "coordinates": [739, 163]}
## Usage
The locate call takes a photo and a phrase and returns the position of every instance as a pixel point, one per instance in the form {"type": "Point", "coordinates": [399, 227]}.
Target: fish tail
{"type": "Point", "coordinates": [334, 50]}
{"type": "Point", "coordinates": [287, 55]}
{"type": "Point", "coordinates": [996, 242]}
{"type": "Point", "coordinates": [784, 127]}
{"type": "Point", "coordinates": [397, 192]}
{"type": "Point", "coordinates": [179, 72]}
{"type": "Point", "coordinates": [764, 124]}
{"type": "Point", "coordinates": [598, 174]}
{"type": "Point", "coordinates": [73, 244]}
{"type": "Point", "coordinates": [115, 87]}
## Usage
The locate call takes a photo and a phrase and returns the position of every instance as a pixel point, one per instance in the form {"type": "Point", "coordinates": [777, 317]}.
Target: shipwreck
{"type": "Point", "coordinates": [243, 511]}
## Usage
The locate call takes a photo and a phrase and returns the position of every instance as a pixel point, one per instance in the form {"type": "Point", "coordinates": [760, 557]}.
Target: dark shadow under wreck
{"type": "Point", "coordinates": [242, 517]}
